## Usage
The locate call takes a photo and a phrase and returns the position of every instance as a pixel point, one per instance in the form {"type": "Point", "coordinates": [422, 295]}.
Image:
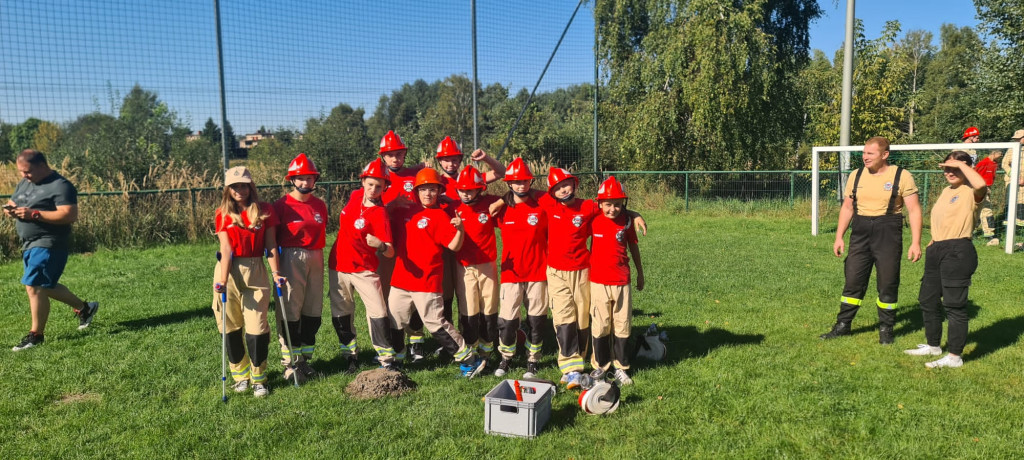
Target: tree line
{"type": "Point", "coordinates": [685, 85]}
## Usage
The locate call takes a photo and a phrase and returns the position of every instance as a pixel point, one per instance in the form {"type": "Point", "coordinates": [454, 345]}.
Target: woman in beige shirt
{"type": "Point", "coordinates": [950, 260]}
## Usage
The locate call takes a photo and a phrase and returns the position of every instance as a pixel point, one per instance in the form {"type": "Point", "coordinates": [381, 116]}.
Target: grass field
{"type": "Point", "coordinates": [742, 296]}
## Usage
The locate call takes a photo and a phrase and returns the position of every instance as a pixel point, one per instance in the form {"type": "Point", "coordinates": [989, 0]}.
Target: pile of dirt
{"type": "Point", "coordinates": [378, 383]}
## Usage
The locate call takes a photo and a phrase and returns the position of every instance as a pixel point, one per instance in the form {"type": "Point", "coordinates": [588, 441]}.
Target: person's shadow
{"type": "Point", "coordinates": [685, 342]}
{"type": "Point", "coordinates": [995, 336]}
{"type": "Point", "coordinates": [909, 319]}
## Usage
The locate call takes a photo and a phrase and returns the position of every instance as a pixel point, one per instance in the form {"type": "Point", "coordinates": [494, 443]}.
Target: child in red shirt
{"type": "Point", "coordinates": [301, 237]}
{"type": "Point", "coordinates": [987, 168]}
{"type": "Point", "coordinates": [416, 282]}
{"type": "Point", "coordinates": [364, 234]}
{"type": "Point", "coordinates": [246, 227]}
{"type": "Point", "coordinates": [611, 309]}
{"type": "Point", "coordinates": [476, 268]}
{"type": "Point", "coordinates": [524, 236]}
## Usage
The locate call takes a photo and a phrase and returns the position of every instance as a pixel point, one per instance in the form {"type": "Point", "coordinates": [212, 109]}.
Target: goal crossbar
{"type": "Point", "coordinates": [1014, 147]}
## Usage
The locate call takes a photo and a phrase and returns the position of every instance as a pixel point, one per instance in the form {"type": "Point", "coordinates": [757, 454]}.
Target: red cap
{"type": "Point", "coordinates": [448, 148]}
{"type": "Point", "coordinates": [390, 143]}
{"type": "Point", "coordinates": [376, 170]}
{"type": "Point", "coordinates": [610, 189]}
{"type": "Point", "coordinates": [470, 179]}
{"type": "Point", "coordinates": [518, 170]}
{"type": "Point", "coordinates": [971, 132]}
{"type": "Point", "coordinates": [301, 166]}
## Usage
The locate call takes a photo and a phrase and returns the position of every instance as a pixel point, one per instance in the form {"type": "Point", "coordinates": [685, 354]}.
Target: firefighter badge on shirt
{"type": "Point", "coordinates": [319, 219]}
{"type": "Point", "coordinates": [533, 219]}
{"type": "Point", "coordinates": [482, 218]}
{"type": "Point", "coordinates": [359, 224]}
{"type": "Point", "coordinates": [407, 186]}
{"type": "Point", "coordinates": [888, 186]}
{"type": "Point", "coordinates": [577, 220]}
{"type": "Point", "coordinates": [955, 197]}
{"type": "Point", "coordinates": [422, 223]}
{"type": "Point", "coordinates": [620, 235]}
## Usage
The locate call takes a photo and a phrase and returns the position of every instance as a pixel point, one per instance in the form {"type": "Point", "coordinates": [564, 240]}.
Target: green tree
{"type": "Point", "coordinates": [22, 136]}
{"type": "Point", "coordinates": [667, 63]}
{"type": "Point", "coordinates": [949, 100]}
{"type": "Point", "coordinates": [1000, 88]}
{"type": "Point", "coordinates": [338, 143]}
{"type": "Point", "coordinates": [917, 49]}
{"type": "Point", "coordinates": [211, 132]}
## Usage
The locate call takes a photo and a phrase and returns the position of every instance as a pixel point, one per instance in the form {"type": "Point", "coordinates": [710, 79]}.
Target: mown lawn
{"type": "Point", "coordinates": [743, 298]}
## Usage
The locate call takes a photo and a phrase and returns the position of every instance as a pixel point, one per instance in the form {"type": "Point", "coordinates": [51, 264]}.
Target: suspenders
{"type": "Point", "coordinates": [892, 198]}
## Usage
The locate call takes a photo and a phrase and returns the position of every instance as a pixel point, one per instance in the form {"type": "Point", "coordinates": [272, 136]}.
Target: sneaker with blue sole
{"type": "Point", "coordinates": [572, 380]}
{"type": "Point", "coordinates": [472, 368]}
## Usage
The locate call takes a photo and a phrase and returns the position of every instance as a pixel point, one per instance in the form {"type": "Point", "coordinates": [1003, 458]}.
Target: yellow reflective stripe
{"type": "Point", "coordinates": [415, 339]}
{"type": "Point", "coordinates": [351, 346]}
{"type": "Point", "coordinates": [486, 347]}
{"type": "Point", "coordinates": [258, 378]}
{"type": "Point", "coordinates": [462, 354]}
{"type": "Point", "coordinates": [308, 350]}
{"type": "Point", "coordinates": [534, 347]}
{"type": "Point", "coordinates": [573, 363]}
{"type": "Point", "coordinates": [400, 356]}
{"type": "Point", "coordinates": [507, 348]}
{"type": "Point", "coordinates": [243, 372]}
{"type": "Point", "coordinates": [885, 306]}
{"type": "Point", "coordinates": [851, 301]}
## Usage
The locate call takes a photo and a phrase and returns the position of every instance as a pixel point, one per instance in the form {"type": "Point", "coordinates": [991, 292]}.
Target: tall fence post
{"type": "Point", "coordinates": [924, 200]}
{"type": "Point", "coordinates": [792, 187]}
{"type": "Point", "coordinates": [195, 219]}
{"type": "Point", "coordinates": [686, 189]}
{"type": "Point", "coordinates": [330, 194]}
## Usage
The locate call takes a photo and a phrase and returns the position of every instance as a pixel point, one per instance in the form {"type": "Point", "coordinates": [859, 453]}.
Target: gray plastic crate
{"type": "Point", "coordinates": [507, 417]}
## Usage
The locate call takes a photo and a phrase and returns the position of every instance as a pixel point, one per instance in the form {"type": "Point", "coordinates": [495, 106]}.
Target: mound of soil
{"type": "Point", "coordinates": [378, 383]}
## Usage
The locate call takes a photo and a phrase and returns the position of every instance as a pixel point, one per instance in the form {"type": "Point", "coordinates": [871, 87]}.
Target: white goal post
{"type": "Point", "coordinates": [1011, 209]}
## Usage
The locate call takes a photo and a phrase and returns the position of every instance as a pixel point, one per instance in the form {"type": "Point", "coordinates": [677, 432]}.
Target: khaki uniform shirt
{"type": "Point", "coordinates": [873, 191]}
{"type": "Point", "coordinates": [953, 213]}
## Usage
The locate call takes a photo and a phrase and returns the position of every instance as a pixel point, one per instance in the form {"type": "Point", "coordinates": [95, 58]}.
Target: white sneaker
{"type": "Point", "coordinates": [260, 390]}
{"type": "Point", "coordinates": [924, 350]}
{"type": "Point", "coordinates": [623, 377]}
{"type": "Point", "coordinates": [946, 361]}
{"type": "Point", "coordinates": [240, 386]}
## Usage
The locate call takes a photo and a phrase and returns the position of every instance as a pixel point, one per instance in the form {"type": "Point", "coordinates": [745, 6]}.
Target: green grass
{"type": "Point", "coordinates": [743, 298]}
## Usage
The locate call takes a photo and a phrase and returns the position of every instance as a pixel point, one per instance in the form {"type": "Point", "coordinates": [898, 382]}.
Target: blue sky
{"type": "Point", "coordinates": [288, 61]}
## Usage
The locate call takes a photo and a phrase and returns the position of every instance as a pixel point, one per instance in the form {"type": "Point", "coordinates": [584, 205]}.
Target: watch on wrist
{"type": "Point", "coordinates": [36, 215]}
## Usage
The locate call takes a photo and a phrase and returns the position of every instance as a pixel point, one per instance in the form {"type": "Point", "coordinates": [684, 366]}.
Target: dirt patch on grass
{"type": "Point", "coordinates": [379, 383]}
{"type": "Point", "coordinates": [73, 398]}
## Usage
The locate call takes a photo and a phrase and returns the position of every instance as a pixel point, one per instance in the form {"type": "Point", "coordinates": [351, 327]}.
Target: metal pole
{"type": "Point", "coordinates": [220, 75]}
{"type": "Point", "coordinates": [844, 121]}
{"type": "Point", "coordinates": [527, 104]}
{"type": "Point", "coordinates": [1011, 202]}
{"type": "Point", "coordinates": [815, 176]}
{"type": "Point", "coordinates": [596, 83]}
{"type": "Point", "coordinates": [476, 132]}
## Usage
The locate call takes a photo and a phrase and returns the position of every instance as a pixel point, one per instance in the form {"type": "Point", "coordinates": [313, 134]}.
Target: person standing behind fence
{"type": "Point", "coordinates": [301, 234]}
{"type": "Point", "coordinates": [45, 205]}
{"type": "Point", "coordinates": [971, 136]}
{"type": "Point", "coordinates": [873, 205]}
{"type": "Point", "coordinates": [1018, 136]}
{"type": "Point", "coordinates": [246, 227]}
{"type": "Point", "coordinates": [987, 168]}
{"type": "Point", "coordinates": [364, 238]}
{"type": "Point", "coordinates": [950, 260]}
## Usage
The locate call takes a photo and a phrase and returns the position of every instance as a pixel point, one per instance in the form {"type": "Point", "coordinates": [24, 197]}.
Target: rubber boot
{"type": "Point", "coordinates": [886, 321]}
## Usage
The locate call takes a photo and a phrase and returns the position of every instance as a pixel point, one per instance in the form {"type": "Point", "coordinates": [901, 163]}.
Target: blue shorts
{"type": "Point", "coordinates": [43, 266]}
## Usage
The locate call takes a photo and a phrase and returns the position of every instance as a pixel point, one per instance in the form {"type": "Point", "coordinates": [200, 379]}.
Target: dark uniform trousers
{"type": "Point", "coordinates": [948, 267]}
{"type": "Point", "coordinates": [874, 242]}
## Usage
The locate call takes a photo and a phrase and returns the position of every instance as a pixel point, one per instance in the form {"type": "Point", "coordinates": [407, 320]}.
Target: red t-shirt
{"type": "Point", "coordinates": [427, 232]}
{"type": "Point", "coordinates": [609, 254]}
{"type": "Point", "coordinates": [449, 186]}
{"type": "Point", "coordinates": [568, 230]}
{"type": "Point", "coordinates": [987, 169]}
{"type": "Point", "coordinates": [524, 242]}
{"type": "Point", "coordinates": [350, 253]}
{"type": "Point", "coordinates": [480, 246]}
{"type": "Point", "coordinates": [301, 224]}
{"type": "Point", "coordinates": [246, 242]}
{"type": "Point", "coordinates": [401, 184]}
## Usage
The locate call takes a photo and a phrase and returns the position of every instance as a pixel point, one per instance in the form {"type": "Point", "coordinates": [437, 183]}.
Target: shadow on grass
{"type": "Point", "coordinates": [687, 342]}
{"type": "Point", "coordinates": [998, 335]}
{"type": "Point", "coordinates": [163, 320]}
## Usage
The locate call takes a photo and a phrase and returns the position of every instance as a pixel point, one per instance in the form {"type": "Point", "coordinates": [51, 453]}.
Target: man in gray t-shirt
{"type": "Point", "coordinates": [45, 205]}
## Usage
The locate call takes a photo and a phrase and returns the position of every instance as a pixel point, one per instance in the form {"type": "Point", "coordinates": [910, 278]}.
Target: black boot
{"type": "Point", "coordinates": [838, 330]}
{"type": "Point", "coordinates": [885, 335]}
{"type": "Point", "coordinates": [353, 364]}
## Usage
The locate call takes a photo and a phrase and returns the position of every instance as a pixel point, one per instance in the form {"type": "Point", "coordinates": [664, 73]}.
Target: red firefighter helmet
{"type": "Point", "coordinates": [376, 170]}
{"type": "Point", "coordinates": [448, 148]}
{"type": "Point", "coordinates": [301, 166]}
{"type": "Point", "coordinates": [558, 175]}
{"type": "Point", "coordinates": [518, 170]}
{"type": "Point", "coordinates": [427, 176]}
{"type": "Point", "coordinates": [610, 189]}
{"type": "Point", "coordinates": [971, 132]}
{"type": "Point", "coordinates": [470, 179]}
{"type": "Point", "coordinates": [390, 143]}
